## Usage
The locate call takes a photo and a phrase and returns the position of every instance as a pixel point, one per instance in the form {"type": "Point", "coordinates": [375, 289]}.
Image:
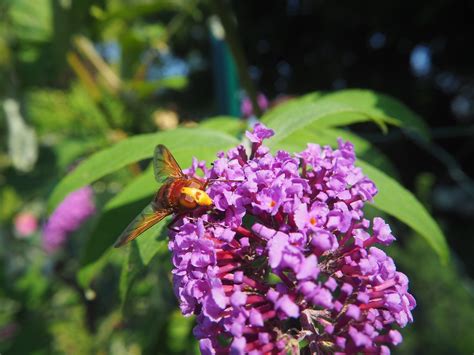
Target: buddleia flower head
{"type": "Point", "coordinates": [71, 213]}
{"type": "Point", "coordinates": [286, 255]}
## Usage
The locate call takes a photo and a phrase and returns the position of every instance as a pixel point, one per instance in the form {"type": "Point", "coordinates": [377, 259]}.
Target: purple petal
{"type": "Point", "coordinates": [288, 306]}
{"type": "Point", "coordinates": [206, 347]}
{"type": "Point", "coordinates": [309, 268]}
{"type": "Point", "coordinates": [256, 318]}
{"type": "Point", "coordinates": [259, 133]}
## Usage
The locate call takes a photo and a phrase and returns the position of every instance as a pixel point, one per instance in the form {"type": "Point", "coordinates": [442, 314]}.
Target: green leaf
{"type": "Point", "coordinates": [134, 149]}
{"type": "Point", "coordinates": [179, 329]}
{"type": "Point", "coordinates": [133, 264]}
{"type": "Point", "coordinates": [140, 252]}
{"type": "Point", "coordinates": [377, 104]}
{"type": "Point", "coordinates": [29, 28]}
{"type": "Point", "coordinates": [116, 215]}
{"type": "Point", "coordinates": [150, 242]}
{"type": "Point", "coordinates": [129, 272]}
{"type": "Point", "coordinates": [70, 149]}
{"type": "Point", "coordinates": [323, 113]}
{"type": "Point", "coordinates": [130, 11]}
{"type": "Point", "coordinates": [87, 273]}
{"type": "Point", "coordinates": [341, 108]}
{"type": "Point", "coordinates": [11, 202]}
{"type": "Point", "coordinates": [147, 88]}
{"type": "Point", "coordinates": [400, 203]}
{"type": "Point", "coordinates": [227, 124]}
{"type": "Point", "coordinates": [289, 106]}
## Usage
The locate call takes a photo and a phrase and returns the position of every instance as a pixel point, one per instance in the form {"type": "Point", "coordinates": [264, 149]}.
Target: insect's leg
{"type": "Point", "coordinates": [173, 221]}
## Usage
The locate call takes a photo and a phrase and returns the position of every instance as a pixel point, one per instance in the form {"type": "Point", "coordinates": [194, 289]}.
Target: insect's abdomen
{"type": "Point", "coordinates": [169, 196]}
{"type": "Point", "coordinates": [169, 193]}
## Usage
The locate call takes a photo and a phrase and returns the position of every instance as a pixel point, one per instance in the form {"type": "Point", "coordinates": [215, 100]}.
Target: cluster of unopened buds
{"type": "Point", "coordinates": [286, 262]}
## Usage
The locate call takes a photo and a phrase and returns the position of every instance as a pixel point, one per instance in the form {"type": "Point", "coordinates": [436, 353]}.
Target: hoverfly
{"type": "Point", "coordinates": [179, 193]}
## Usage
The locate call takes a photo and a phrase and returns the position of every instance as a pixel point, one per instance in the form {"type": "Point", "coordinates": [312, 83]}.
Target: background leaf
{"type": "Point", "coordinates": [324, 113]}
{"type": "Point", "coordinates": [319, 110]}
{"type": "Point", "coordinates": [115, 216]}
{"type": "Point", "coordinates": [147, 88]}
{"type": "Point", "coordinates": [134, 149]}
{"type": "Point", "coordinates": [228, 124]}
{"type": "Point", "coordinates": [381, 105]}
{"type": "Point", "coordinates": [400, 203]}
{"type": "Point", "coordinates": [30, 28]}
{"type": "Point", "coordinates": [133, 264]}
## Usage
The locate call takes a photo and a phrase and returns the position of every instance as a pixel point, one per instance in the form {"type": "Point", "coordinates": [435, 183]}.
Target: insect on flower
{"type": "Point", "coordinates": [178, 194]}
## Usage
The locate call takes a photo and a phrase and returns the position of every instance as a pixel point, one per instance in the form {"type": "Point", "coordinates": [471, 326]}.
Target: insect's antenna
{"type": "Point", "coordinates": [222, 180]}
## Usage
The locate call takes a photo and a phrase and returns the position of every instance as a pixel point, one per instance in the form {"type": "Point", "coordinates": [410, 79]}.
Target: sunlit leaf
{"type": "Point", "coordinates": [116, 215]}
{"type": "Point", "coordinates": [140, 252]}
{"type": "Point", "coordinates": [325, 113]}
{"type": "Point", "coordinates": [147, 88]}
{"type": "Point", "coordinates": [397, 201]}
{"type": "Point", "coordinates": [131, 11]}
{"type": "Point", "coordinates": [377, 104]}
{"type": "Point", "coordinates": [69, 150]}
{"type": "Point", "coordinates": [11, 202]}
{"type": "Point", "coordinates": [231, 125]}
{"type": "Point", "coordinates": [134, 149]}
{"type": "Point", "coordinates": [37, 28]}
{"type": "Point", "coordinates": [179, 328]}
{"type": "Point", "coordinates": [321, 110]}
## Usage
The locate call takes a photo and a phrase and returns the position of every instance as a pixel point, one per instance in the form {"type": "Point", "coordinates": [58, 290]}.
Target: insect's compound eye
{"type": "Point", "coordinates": [194, 184]}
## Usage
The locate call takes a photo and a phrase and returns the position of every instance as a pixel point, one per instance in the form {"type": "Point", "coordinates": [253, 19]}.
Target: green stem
{"type": "Point", "coordinates": [224, 12]}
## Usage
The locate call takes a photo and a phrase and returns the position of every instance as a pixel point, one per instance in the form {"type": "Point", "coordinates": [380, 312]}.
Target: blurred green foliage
{"type": "Point", "coordinates": [93, 80]}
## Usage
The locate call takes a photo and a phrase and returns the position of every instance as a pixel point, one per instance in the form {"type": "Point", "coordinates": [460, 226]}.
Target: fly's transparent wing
{"type": "Point", "coordinates": [165, 165]}
{"type": "Point", "coordinates": [145, 220]}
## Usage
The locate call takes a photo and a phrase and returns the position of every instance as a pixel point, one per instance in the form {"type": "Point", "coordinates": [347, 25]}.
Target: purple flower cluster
{"type": "Point", "coordinates": [68, 217]}
{"type": "Point", "coordinates": [286, 256]}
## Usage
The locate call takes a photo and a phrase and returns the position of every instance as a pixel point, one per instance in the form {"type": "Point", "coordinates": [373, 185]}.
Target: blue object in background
{"type": "Point", "coordinates": [420, 60]}
{"type": "Point", "coordinates": [226, 82]}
